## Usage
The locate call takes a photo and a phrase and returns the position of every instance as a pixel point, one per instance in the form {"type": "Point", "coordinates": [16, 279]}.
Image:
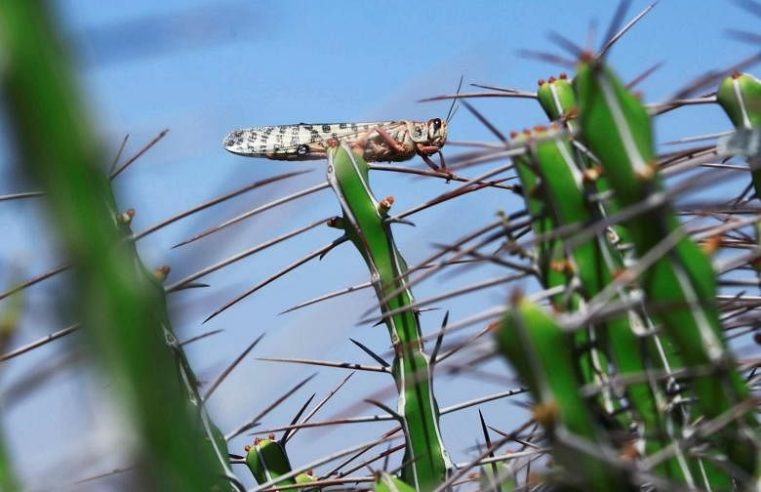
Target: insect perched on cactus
{"type": "Point", "coordinates": [365, 222]}
{"type": "Point", "coordinates": [628, 337]}
{"type": "Point", "coordinates": [394, 141]}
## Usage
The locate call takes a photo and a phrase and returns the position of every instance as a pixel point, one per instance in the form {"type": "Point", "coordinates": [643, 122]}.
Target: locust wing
{"type": "Point", "coordinates": [299, 142]}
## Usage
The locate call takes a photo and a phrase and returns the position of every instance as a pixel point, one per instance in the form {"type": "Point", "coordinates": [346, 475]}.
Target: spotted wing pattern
{"type": "Point", "coordinates": [298, 142]}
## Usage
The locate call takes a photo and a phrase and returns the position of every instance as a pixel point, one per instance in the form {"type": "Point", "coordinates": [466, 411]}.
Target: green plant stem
{"type": "Point", "coordinates": [530, 338]}
{"type": "Point", "coordinates": [365, 223]}
{"type": "Point", "coordinates": [679, 286]}
{"type": "Point", "coordinates": [120, 303]}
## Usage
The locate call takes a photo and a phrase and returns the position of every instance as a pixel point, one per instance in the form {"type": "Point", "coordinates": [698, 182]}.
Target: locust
{"type": "Point", "coordinates": [391, 141]}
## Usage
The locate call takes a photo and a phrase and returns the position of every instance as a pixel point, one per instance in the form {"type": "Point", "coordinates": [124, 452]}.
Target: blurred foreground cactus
{"type": "Point", "coordinates": [618, 335]}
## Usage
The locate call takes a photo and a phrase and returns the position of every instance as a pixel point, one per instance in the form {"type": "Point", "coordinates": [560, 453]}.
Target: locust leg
{"type": "Point", "coordinates": [389, 140]}
{"type": "Point", "coordinates": [443, 166]}
{"type": "Point", "coordinates": [422, 150]}
{"type": "Point", "coordinates": [425, 152]}
{"type": "Point", "coordinates": [442, 162]}
{"type": "Point", "coordinates": [430, 162]}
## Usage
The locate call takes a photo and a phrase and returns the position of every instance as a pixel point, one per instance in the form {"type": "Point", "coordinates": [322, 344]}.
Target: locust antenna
{"type": "Point", "coordinates": [453, 113]}
{"type": "Point", "coordinates": [452, 110]}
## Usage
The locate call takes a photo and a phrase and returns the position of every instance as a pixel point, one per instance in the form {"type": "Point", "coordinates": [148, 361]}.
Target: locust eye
{"type": "Point", "coordinates": [436, 124]}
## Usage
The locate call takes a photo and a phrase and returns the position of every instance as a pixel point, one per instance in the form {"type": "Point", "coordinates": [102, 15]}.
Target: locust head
{"type": "Point", "coordinates": [437, 132]}
{"type": "Point", "coordinates": [431, 133]}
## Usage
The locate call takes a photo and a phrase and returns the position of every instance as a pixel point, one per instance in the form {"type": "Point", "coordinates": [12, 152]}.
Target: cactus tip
{"type": "Point", "coordinates": [385, 204]}
{"type": "Point", "coordinates": [545, 413]}
{"type": "Point", "coordinates": [516, 296]}
{"type": "Point", "coordinates": [572, 113]}
{"type": "Point", "coordinates": [561, 266]}
{"type": "Point", "coordinates": [534, 479]}
{"type": "Point", "coordinates": [586, 56]}
{"type": "Point", "coordinates": [556, 308]}
{"type": "Point", "coordinates": [629, 452]}
{"type": "Point", "coordinates": [648, 172]}
{"type": "Point", "coordinates": [593, 173]}
{"type": "Point", "coordinates": [335, 222]}
{"type": "Point", "coordinates": [126, 216]}
{"type": "Point", "coordinates": [162, 272]}
{"type": "Point", "coordinates": [712, 244]}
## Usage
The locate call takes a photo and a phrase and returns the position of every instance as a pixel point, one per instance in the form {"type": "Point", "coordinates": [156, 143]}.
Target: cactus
{"type": "Point", "coordinates": [268, 460]}
{"type": "Point", "coordinates": [620, 330]}
{"type": "Point", "coordinates": [126, 317]}
{"type": "Point", "coordinates": [365, 222]}
{"type": "Point", "coordinates": [389, 483]}
{"type": "Point", "coordinates": [617, 130]}
{"type": "Point", "coordinates": [529, 338]}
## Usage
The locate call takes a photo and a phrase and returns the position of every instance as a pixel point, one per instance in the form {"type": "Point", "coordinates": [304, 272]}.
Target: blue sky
{"type": "Point", "coordinates": [201, 68]}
